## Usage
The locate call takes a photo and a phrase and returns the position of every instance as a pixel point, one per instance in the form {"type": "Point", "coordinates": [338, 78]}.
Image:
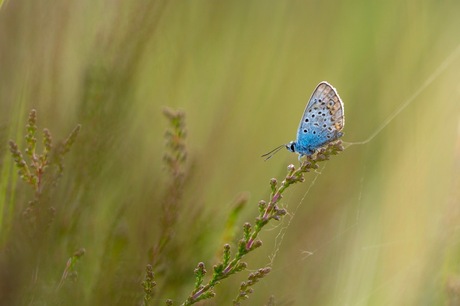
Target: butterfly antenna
{"type": "Point", "coordinates": [272, 152]}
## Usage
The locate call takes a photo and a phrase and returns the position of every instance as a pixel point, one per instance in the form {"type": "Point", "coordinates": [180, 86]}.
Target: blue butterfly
{"type": "Point", "coordinates": [322, 122]}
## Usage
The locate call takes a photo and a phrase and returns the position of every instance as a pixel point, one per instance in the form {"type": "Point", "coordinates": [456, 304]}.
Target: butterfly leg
{"type": "Point", "coordinates": [300, 157]}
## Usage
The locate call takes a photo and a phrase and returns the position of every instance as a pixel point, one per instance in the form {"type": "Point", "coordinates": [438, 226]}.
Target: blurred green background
{"type": "Point", "coordinates": [378, 226]}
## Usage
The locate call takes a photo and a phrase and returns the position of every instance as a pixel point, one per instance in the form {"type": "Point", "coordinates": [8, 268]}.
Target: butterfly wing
{"type": "Point", "coordinates": [322, 121]}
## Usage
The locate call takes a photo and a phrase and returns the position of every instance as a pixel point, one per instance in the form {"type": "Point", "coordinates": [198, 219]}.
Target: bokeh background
{"type": "Point", "coordinates": [376, 225]}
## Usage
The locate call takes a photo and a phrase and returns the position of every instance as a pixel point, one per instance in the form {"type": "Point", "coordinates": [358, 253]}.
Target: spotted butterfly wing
{"type": "Point", "coordinates": [322, 121]}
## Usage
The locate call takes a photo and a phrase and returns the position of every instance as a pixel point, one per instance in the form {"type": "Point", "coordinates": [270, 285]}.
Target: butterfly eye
{"type": "Point", "coordinates": [292, 147]}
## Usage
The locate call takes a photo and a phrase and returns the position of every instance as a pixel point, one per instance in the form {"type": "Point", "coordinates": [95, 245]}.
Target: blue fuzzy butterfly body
{"type": "Point", "coordinates": [322, 122]}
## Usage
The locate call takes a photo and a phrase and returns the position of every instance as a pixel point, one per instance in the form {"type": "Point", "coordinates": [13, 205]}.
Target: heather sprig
{"type": "Point", "coordinates": [33, 170]}
{"type": "Point", "coordinates": [175, 158]}
{"type": "Point", "coordinates": [272, 210]}
{"type": "Point", "coordinates": [148, 284]}
{"type": "Point", "coordinates": [31, 141]}
{"type": "Point", "coordinates": [246, 286]}
{"type": "Point", "coordinates": [201, 292]}
{"type": "Point", "coordinates": [249, 242]}
{"type": "Point", "coordinates": [23, 169]}
{"type": "Point", "coordinates": [175, 142]}
{"type": "Point", "coordinates": [34, 166]}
